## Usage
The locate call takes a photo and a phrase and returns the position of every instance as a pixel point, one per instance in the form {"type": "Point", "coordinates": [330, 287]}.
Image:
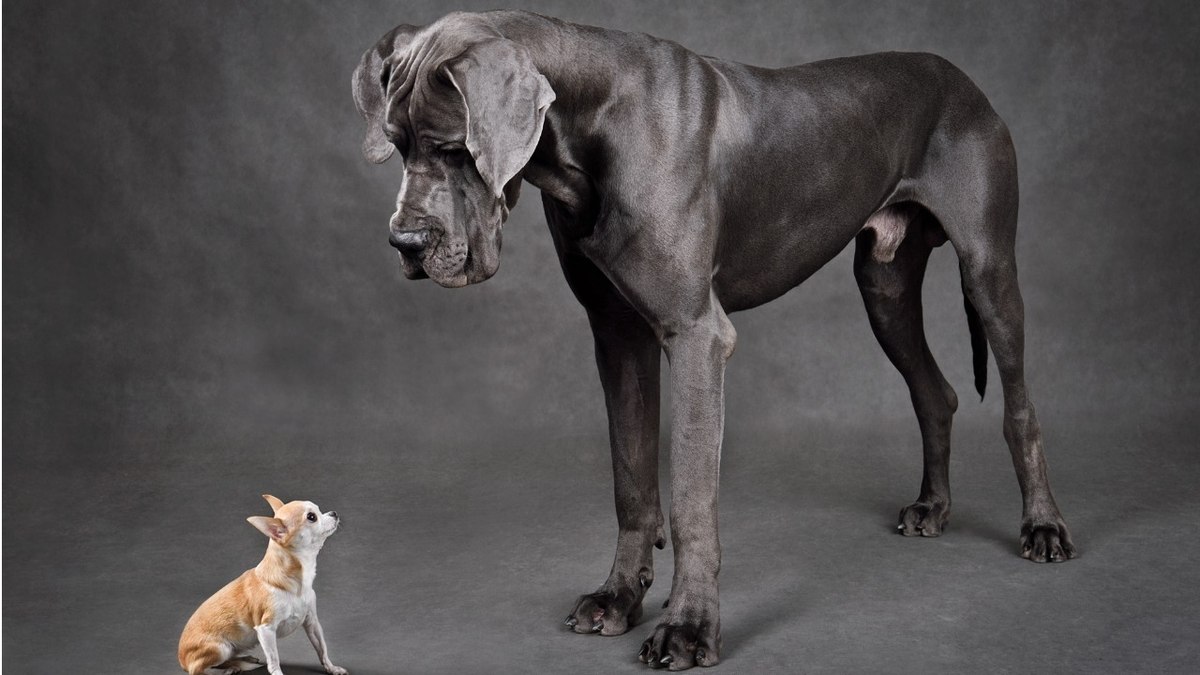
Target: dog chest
{"type": "Point", "coordinates": [290, 611]}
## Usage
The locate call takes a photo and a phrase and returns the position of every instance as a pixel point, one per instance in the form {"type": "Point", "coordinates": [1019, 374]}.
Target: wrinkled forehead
{"type": "Point", "coordinates": [421, 99]}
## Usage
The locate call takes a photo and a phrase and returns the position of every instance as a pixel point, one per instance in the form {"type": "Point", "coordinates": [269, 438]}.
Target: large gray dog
{"type": "Point", "coordinates": [679, 188]}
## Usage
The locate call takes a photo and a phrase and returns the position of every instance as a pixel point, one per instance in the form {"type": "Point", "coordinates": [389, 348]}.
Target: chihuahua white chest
{"type": "Point", "coordinates": [291, 610]}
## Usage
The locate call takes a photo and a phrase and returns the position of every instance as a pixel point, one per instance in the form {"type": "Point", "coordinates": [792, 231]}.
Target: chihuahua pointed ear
{"type": "Point", "coordinates": [274, 501]}
{"type": "Point", "coordinates": [272, 527]}
{"type": "Point", "coordinates": [506, 99]}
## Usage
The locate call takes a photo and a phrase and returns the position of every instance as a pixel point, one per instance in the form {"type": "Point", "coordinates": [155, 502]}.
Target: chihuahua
{"type": "Point", "coordinates": [267, 602]}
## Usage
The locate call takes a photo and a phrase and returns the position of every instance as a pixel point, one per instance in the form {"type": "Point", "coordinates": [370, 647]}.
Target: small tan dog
{"type": "Point", "coordinates": [267, 602]}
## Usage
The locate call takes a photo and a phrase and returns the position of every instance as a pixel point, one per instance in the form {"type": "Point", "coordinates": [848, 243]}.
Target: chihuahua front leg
{"type": "Point", "coordinates": [266, 639]}
{"type": "Point", "coordinates": [317, 637]}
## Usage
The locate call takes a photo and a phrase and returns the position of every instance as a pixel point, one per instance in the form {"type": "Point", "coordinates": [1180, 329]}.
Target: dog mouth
{"type": "Point", "coordinates": [452, 264]}
{"type": "Point", "coordinates": [411, 266]}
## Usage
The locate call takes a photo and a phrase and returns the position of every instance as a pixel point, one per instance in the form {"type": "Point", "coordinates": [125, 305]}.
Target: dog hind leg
{"type": "Point", "coordinates": [974, 195]}
{"type": "Point", "coordinates": [889, 265]}
{"type": "Point", "coordinates": [242, 663]}
{"type": "Point", "coordinates": [992, 287]}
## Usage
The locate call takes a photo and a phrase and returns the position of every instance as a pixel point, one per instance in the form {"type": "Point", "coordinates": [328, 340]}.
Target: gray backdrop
{"type": "Point", "coordinates": [200, 306]}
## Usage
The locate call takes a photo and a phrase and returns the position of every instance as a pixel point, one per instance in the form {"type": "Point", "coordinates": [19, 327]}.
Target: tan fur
{"type": "Point", "coordinates": [223, 627]}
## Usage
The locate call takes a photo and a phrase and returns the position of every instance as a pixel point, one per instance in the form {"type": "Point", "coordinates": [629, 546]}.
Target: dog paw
{"type": "Point", "coordinates": [923, 519]}
{"type": "Point", "coordinates": [606, 612]}
{"type": "Point", "coordinates": [334, 670]}
{"type": "Point", "coordinates": [679, 645]}
{"type": "Point", "coordinates": [1046, 542]}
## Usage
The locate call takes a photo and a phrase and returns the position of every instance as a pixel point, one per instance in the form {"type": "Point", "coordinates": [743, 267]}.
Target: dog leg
{"type": "Point", "coordinates": [239, 664]}
{"type": "Point", "coordinates": [892, 294]}
{"type": "Point", "coordinates": [991, 285]}
{"type": "Point", "coordinates": [243, 663]}
{"type": "Point", "coordinates": [974, 195]}
{"type": "Point", "coordinates": [628, 356]}
{"type": "Point", "coordinates": [312, 627]}
{"type": "Point", "coordinates": [690, 632]}
{"type": "Point", "coordinates": [266, 639]}
{"type": "Point", "coordinates": [208, 659]}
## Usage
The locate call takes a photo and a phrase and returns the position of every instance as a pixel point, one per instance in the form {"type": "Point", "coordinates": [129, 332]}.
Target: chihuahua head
{"type": "Point", "coordinates": [297, 526]}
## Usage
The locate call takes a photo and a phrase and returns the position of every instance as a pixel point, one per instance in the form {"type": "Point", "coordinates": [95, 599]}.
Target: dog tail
{"type": "Point", "coordinates": [979, 347]}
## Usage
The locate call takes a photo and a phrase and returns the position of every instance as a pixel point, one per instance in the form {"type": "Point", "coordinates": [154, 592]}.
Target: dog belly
{"type": "Point", "coordinates": [762, 260]}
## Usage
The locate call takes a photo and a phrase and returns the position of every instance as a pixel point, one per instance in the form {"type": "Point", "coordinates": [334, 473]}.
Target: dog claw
{"type": "Point", "coordinates": [597, 626]}
{"type": "Point", "coordinates": [666, 660]}
{"type": "Point", "coordinates": [571, 621]}
{"type": "Point", "coordinates": [700, 654]}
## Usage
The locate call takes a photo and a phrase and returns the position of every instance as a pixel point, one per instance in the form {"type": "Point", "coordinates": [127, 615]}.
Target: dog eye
{"type": "Point", "coordinates": [453, 151]}
{"type": "Point", "coordinates": [312, 517]}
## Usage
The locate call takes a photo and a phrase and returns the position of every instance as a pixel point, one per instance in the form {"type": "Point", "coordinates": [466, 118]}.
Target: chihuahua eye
{"type": "Point", "coordinates": [312, 517]}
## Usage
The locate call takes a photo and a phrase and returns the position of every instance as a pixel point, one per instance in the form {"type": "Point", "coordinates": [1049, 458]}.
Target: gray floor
{"type": "Point", "coordinates": [200, 306]}
{"type": "Point", "coordinates": [445, 568]}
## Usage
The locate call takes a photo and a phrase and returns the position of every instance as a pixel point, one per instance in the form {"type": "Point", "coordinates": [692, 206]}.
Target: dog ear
{"type": "Point", "coordinates": [272, 527]}
{"type": "Point", "coordinates": [369, 85]}
{"type": "Point", "coordinates": [506, 99]}
{"type": "Point", "coordinates": [275, 503]}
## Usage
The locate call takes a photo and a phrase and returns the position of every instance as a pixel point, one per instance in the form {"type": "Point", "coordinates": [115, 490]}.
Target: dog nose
{"type": "Point", "coordinates": [410, 242]}
{"type": "Point", "coordinates": [334, 514]}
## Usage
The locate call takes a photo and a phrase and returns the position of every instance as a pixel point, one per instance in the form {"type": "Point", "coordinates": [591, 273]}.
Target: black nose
{"type": "Point", "coordinates": [410, 242]}
{"type": "Point", "coordinates": [334, 514]}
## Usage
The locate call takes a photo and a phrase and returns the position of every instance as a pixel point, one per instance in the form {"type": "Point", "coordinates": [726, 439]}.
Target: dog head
{"type": "Point", "coordinates": [297, 526]}
{"type": "Point", "coordinates": [464, 107]}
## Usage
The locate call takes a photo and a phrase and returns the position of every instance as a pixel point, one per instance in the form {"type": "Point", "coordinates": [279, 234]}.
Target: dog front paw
{"type": "Point", "coordinates": [1046, 541]}
{"type": "Point", "coordinates": [335, 670]}
{"type": "Point", "coordinates": [607, 612]}
{"type": "Point", "coordinates": [923, 519]}
{"type": "Point", "coordinates": [692, 638]}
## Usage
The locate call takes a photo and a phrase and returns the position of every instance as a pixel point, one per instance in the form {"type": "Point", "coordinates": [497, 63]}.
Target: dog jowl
{"type": "Point", "coordinates": [679, 189]}
{"type": "Point", "coordinates": [462, 153]}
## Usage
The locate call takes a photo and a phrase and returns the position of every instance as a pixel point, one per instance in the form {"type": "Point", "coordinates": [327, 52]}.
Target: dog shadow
{"type": "Point", "coordinates": [293, 669]}
{"type": "Point", "coordinates": [744, 631]}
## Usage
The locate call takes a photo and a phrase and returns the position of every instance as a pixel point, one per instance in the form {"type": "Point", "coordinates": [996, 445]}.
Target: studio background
{"type": "Point", "coordinates": [200, 306]}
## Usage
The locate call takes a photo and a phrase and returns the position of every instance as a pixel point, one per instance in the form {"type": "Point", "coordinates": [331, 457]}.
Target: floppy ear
{"type": "Point", "coordinates": [369, 84]}
{"type": "Point", "coordinates": [275, 503]}
{"type": "Point", "coordinates": [272, 527]}
{"type": "Point", "coordinates": [506, 99]}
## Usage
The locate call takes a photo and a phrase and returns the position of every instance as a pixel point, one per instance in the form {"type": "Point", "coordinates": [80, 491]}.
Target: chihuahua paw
{"type": "Point", "coordinates": [335, 670]}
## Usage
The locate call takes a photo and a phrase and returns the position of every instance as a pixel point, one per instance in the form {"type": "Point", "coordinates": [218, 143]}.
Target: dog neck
{"type": "Point", "coordinates": [577, 61]}
{"type": "Point", "coordinates": [286, 569]}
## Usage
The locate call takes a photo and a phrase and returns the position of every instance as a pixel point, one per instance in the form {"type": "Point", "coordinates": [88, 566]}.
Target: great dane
{"type": "Point", "coordinates": [679, 188]}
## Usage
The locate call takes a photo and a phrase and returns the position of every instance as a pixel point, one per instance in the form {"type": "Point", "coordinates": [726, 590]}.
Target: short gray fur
{"type": "Point", "coordinates": [679, 188]}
